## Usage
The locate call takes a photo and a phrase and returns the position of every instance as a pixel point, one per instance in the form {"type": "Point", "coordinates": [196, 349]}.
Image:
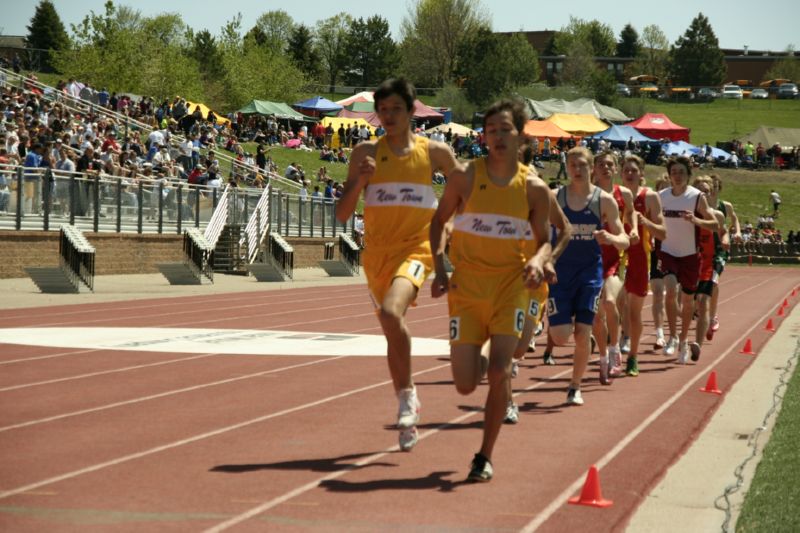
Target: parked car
{"type": "Point", "coordinates": [623, 90]}
{"type": "Point", "coordinates": [706, 94]}
{"type": "Point", "coordinates": [732, 91]}
{"type": "Point", "coordinates": [787, 90]}
{"type": "Point", "coordinates": [759, 94]}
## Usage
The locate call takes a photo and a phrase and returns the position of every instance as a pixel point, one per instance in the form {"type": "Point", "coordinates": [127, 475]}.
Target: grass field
{"type": "Point", "coordinates": [773, 500]}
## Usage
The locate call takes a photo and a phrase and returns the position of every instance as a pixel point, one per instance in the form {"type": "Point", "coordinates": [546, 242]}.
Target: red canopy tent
{"type": "Point", "coordinates": [658, 126]}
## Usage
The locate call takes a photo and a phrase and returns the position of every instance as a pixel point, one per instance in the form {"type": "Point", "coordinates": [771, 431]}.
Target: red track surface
{"type": "Point", "coordinates": [111, 440]}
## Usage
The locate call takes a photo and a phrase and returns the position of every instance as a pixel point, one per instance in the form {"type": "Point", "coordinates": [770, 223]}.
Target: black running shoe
{"type": "Point", "coordinates": [548, 358]}
{"type": "Point", "coordinates": [481, 469]}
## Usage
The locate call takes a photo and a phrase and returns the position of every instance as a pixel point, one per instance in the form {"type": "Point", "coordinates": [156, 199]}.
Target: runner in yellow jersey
{"type": "Point", "coordinates": [395, 173]}
{"type": "Point", "coordinates": [537, 298]}
{"type": "Point", "coordinates": [495, 199]}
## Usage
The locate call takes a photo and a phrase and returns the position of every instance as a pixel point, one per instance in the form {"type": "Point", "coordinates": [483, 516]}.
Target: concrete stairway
{"type": "Point", "coordinates": [54, 280]}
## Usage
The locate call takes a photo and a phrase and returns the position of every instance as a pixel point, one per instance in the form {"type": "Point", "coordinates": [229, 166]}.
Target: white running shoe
{"type": "Point", "coordinates": [660, 341]}
{"type": "Point", "coordinates": [574, 396]}
{"type": "Point", "coordinates": [408, 408]}
{"type": "Point", "coordinates": [408, 438]}
{"type": "Point", "coordinates": [614, 362]}
{"type": "Point", "coordinates": [539, 329]}
{"type": "Point", "coordinates": [514, 368]}
{"type": "Point", "coordinates": [671, 346]}
{"type": "Point", "coordinates": [512, 413]}
{"type": "Point", "coordinates": [625, 345]}
{"type": "Point", "coordinates": [683, 353]}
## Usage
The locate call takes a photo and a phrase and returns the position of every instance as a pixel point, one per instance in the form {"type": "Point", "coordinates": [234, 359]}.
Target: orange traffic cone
{"type": "Point", "coordinates": [785, 303]}
{"type": "Point", "coordinates": [794, 292]}
{"type": "Point", "coordinates": [591, 493]}
{"type": "Point", "coordinates": [748, 348]}
{"type": "Point", "coordinates": [770, 326]}
{"type": "Point", "coordinates": [711, 384]}
{"type": "Point", "coordinates": [780, 311]}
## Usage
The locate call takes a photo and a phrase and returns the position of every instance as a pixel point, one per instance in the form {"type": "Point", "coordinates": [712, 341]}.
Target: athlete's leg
{"type": "Point", "coordinates": [502, 348]}
{"type": "Point", "coordinates": [467, 366]}
{"type": "Point", "coordinates": [391, 315]}
{"type": "Point", "coordinates": [671, 303]}
{"type": "Point", "coordinates": [657, 286]}
{"type": "Point", "coordinates": [687, 311]}
{"type": "Point", "coordinates": [634, 307]}
{"type": "Point", "coordinates": [703, 301]}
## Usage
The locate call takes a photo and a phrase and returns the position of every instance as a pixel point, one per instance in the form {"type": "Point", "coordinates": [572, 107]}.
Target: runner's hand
{"type": "Point", "coordinates": [440, 285]}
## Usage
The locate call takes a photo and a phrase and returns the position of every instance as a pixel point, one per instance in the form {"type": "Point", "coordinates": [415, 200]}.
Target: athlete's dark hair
{"type": "Point", "coordinates": [399, 86]}
{"type": "Point", "coordinates": [519, 114]}
{"type": "Point", "coordinates": [680, 160]}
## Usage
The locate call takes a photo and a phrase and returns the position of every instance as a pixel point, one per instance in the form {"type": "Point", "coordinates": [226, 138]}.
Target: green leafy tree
{"type": "Point", "coordinates": [597, 37]}
{"type": "Point", "coordinates": [46, 32]}
{"type": "Point", "coordinates": [331, 47]}
{"type": "Point", "coordinates": [491, 65]}
{"type": "Point", "coordinates": [696, 58]}
{"type": "Point", "coordinates": [628, 45]}
{"type": "Point", "coordinates": [787, 67]}
{"type": "Point", "coordinates": [275, 30]}
{"type": "Point", "coordinates": [373, 55]}
{"type": "Point", "coordinates": [455, 98]}
{"type": "Point", "coordinates": [205, 51]}
{"type": "Point", "coordinates": [653, 57]}
{"type": "Point", "coordinates": [301, 50]}
{"type": "Point", "coordinates": [431, 35]}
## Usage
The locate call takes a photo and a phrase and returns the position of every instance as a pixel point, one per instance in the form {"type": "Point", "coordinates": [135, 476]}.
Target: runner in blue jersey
{"type": "Point", "coordinates": [575, 298]}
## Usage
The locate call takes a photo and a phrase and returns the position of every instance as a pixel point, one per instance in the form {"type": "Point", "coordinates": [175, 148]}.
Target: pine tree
{"type": "Point", "coordinates": [46, 32]}
{"type": "Point", "coordinates": [696, 57]}
{"type": "Point", "coordinates": [628, 45]}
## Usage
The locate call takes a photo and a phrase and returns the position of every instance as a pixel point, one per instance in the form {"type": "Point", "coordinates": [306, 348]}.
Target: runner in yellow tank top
{"type": "Point", "coordinates": [537, 297]}
{"type": "Point", "coordinates": [395, 172]}
{"type": "Point", "coordinates": [496, 199]}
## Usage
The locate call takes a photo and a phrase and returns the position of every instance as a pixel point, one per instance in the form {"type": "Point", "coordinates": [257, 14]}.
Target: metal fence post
{"type": "Point", "coordinates": [96, 199]}
{"type": "Point", "coordinates": [47, 181]}
{"type": "Point", "coordinates": [139, 196]}
{"type": "Point", "coordinates": [179, 194]}
{"type": "Point", "coordinates": [18, 221]}
{"type": "Point", "coordinates": [119, 205]}
{"type": "Point", "coordinates": [72, 202]}
{"type": "Point", "coordinates": [160, 206]}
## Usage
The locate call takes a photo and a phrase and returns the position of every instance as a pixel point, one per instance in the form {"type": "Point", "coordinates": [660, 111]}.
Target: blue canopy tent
{"type": "Point", "coordinates": [716, 153]}
{"type": "Point", "coordinates": [621, 134]}
{"type": "Point", "coordinates": [680, 148]}
{"type": "Point", "coordinates": [317, 106]}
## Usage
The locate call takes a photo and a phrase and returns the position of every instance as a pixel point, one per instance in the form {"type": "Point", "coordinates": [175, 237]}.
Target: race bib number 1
{"type": "Point", "coordinates": [416, 270]}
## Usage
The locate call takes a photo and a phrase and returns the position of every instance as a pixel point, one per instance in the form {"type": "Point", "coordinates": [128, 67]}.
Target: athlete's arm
{"type": "Point", "coordinates": [539, 218]}
{"type": "Point", "coordinates": [455, 193]}
{"type": "Point", "coordinates": [654, 221]}
{"type": "Point", "coordinates": [361, 169]}
{"type": "Point", "coordinates": [708, 220]}
{"type": "Point", "coordinates": [563, 235]}
{"type": "Point", "coordinates": [737, 230]}
{"type": "Point", "coordinates": [442, 158]}
{"type": "Point", "coordinates": [615, 235]}
{"type": "Point", "coordinates": [722, 231]}
{"type": "Point", "coordinates": [629, 216]}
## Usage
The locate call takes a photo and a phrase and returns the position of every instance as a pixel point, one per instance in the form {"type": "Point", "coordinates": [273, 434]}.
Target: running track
{"type": "Point", "coordinates": [104, 440]}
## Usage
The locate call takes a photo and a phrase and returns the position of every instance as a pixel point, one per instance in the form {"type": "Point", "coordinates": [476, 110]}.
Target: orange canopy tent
{"type": "Point", "coordinates": [544, 128]}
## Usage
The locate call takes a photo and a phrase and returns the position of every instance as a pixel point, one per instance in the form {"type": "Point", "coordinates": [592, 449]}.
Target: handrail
{"type": "Point", "coordinates": [77, 256]}
{"type": "Point", "coordinates": [198, 253]}
{"type": "Point", "coordinates": [218, 219]}
{"type": "Point", "coordinates": [350, 252]}
{"type": "Point", "coordinates": [257, 226]}
{"type": "Point", "coordinates": [282, 254]}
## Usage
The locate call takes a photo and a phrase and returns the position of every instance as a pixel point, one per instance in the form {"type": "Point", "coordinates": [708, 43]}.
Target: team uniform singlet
{"type": "Point", "coordinates": [399, 203]}
{"type": "Point", "coordinates": [612, 257]}
{"type": "Point", "coordinates": [580, 267]}
{"type": "Point", "coordinates": [678, 255]}
{"type": "Point", "coordinates": [487, 295]}
{"type": "Point", "coordinates": [638, 269]}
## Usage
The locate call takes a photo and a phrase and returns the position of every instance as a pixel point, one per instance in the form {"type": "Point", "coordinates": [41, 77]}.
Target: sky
{"type": "Point", "coordinates": [736, 23]}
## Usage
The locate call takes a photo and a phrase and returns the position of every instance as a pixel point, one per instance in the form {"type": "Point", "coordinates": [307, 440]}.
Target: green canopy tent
{"type": "Point", "coordinates": [279, 110]}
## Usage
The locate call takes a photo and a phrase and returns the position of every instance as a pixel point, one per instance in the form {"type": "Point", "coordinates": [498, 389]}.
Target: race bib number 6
{"type": "Point", "coordinates": [455, 328]}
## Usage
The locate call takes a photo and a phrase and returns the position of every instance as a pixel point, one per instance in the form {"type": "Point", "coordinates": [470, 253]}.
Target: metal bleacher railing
{"type": "Point", "coordinates": [282, 253]}
{"type": "Point", "coordinates": [292, 215]}
{"type": "Point", "coordinates": [350, 252]}
{"type": "Point", "coordinates": [238, 168]}
{"type": "Point", "coordinates": [257, 225]}
{"type": "Point", "coordinates": [36, 198]}
{"type": "Point", "coordinates": [198, 254]}
{"type": "Point", "coordinates": [76, 256]}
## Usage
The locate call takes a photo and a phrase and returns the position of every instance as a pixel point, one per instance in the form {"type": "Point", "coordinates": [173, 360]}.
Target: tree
{"type": "Point", "coordinates": [596, 37]}
{"type": "Point", "coordinates": [453, 97]}
{"type": "Point", "coordinates": [276, 28]}
{"type": "Point", "coordinates": [787, 68]}
{"type": "Point", "coordinates": [431, 34]}
{"type": "Point", "coordinates": [492, 64]}
{"type": "Point", "coordinates": [332, 46]}
{"type": "Point", "coordinates": [653, 55]}
{"type": "Point", "coordinates": [205, 51]}
{"type": "Point", "coordinates": [696, 58]}
{"type": "Point", "coordinates": [628, 45]}
{"type": "Point", "coordinates": [46, 32]}
{"type": "Point", "coordinates": [301, 50]}
{"type": "Point", "coordinates": [373, 54]}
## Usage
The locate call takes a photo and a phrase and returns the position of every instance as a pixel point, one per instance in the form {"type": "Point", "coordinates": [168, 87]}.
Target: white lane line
{"type": "Point", "coordinates": [165, 394]}
{"type": "Point", "coordinates": [266, 506]}
{"type": "Point", "coordinates": [104, 372]}
{"type": "Point", "coordinates": [40, 357]}
{"type": "Point", "coordinates": [196, 438]}
{"type": "Point", "coordinates": [174, 302]}
{"type": "Point", "coordinates": [561, 499]}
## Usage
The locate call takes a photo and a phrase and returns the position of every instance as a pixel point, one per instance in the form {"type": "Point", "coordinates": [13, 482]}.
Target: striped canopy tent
{"type": "Point", "coordinates": [582, 125]}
